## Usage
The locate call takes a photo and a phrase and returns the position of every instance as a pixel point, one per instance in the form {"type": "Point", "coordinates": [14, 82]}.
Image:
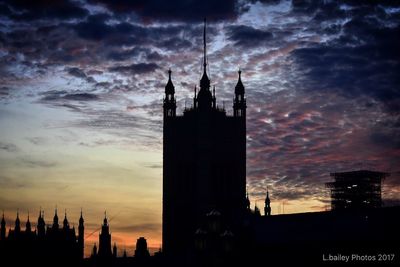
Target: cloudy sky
{"type": "Point", "coordinates": [81, 88]}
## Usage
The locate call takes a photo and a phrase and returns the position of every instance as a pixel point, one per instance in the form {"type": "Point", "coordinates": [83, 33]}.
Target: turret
{"type": "Point", "coordinates": [3, 228]}
{"type": "Point", "coordinates": [28, 228]}
{"type": "Point", "coordinates": [105, 239]}
{"type": "Point", "coordinates": [81, 230]}
{"type": "Point", "coordinates": [94, 251]}
{"type": "Point", "coordinates": [65, 222]}
{"type": "Point", "coordinates": [267, 208]}
{"type": "Point", "coordinates": [17, 228]}
{"type": "Point", "coordinates": [204, 99]}
{"type": "Point", "coordinates": [41, 225]}
{"type": "Point", "coordinates": [115, 250]}
{"type": "Point", "coordinates": [239, 102]}
{"type": "Point", "coordinates": [55, 220]}
{"type": "Point", "coordinates": [169, 100]}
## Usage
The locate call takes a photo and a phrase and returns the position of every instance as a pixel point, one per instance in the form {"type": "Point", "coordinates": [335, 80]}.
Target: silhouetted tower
{"type": "Point", "coordinates": [65, 222]}
{"type": "Point", "coordinates": [169, 100]}
{"type": "Point", "coordinates": [267, 208]}
{"type": "Point", "coordinates": [81, 230]}
{"type": "Point", "coordinates": [17, 229]}
{"type": "Point", "coordinates": [239, 103]}
{"type": "Point", "coordinates": [28, 228]}
{"type": "Point", "coordinates": [114, 250]}
{"type": "Point", "coordinates": [41, 225]}
{"type": "Point", "coordinates": [141, 250]}
{"type": "Point", "coordinates": [3, 228]}
{"type": "Point", "coordinates": [105, 240]}
{"type": "Point", "coordinates": [204, 98]}
{"type": "Point", "coordinates": [204, 153]}
{"type": "Point", "coordinates": [55, 221]}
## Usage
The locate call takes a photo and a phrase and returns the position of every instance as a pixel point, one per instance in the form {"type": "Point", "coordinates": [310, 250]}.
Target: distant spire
{"type": "Point", "coordinates": [65, 223]}
{"type": "Point", "coordinates": [3, 228]}
{"type": "Point", "coordinates": [17, 223]}
{"type": "Point", "coordinates": [267, 208]}
{"type": "Point", "coordinates": [28, 225]}
{"type": "Point", "coordinates": [105, 218]}
{"type": "Point", "coordinates": [55, 219]}
{"type": "Point", "coordinates": [81, 219]}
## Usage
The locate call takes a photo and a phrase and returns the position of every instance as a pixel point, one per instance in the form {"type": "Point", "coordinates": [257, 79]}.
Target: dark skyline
{"type": "Point", "coordinates": [82, 83]}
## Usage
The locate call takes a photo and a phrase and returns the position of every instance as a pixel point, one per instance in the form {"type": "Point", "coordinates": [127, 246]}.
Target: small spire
{"type": "Point", "coordinates": [105, 218]}
{"type": "Point", "coordinates": [28, 215]}
{"type": "Point", "coordinates": [3, 221]}
{"type": "Point", "coordinates": [169, 88]}
{"type": "Point", "coordinates": [81, 212]}
{"type": "Point", "coordinates": [239, 88]}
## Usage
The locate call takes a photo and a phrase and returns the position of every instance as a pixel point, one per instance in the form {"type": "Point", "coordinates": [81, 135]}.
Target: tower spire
{"type": "Point", "coordinates": [204, 97]}
{"type": "Point", "coordinates": [205, 46]}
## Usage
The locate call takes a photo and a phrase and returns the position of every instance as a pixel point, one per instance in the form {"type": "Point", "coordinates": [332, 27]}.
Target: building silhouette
{"type": "Point", "coordinates": [356, 189]}
{"type": "Point", "coordinates": [44, 244]}
{"type": "Point", "coordinates": [204, 156]}
{"type": "Point", "coordinates": [141, 250]}
{"type": "Point", "coordinates": [105, 241]}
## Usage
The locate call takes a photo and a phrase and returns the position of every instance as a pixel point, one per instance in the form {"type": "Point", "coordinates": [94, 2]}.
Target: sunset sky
{"type": "Point", "coordinates": [82, 83]}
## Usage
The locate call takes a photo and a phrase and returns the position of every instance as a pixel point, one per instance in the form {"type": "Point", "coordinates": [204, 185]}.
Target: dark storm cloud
{"type": "Point", "coordinates": [95, 28]}
{"type": "Point", "coordinates": [55, 95]}
{"type": "Point", "coordinates": [176, 10]}
{"type": "Point", "coordinates": [76, 72]}
{"type": "Point", "coordinates": [42, 9]}
{"type": "Point", "coordinates": [363, 60]}
{"type": "Point", "coordinates": [247, 36]}
{"type": "Point", "coordinates": [139, 68]}
{"type": "Point", "coordinates": [127, 54]}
